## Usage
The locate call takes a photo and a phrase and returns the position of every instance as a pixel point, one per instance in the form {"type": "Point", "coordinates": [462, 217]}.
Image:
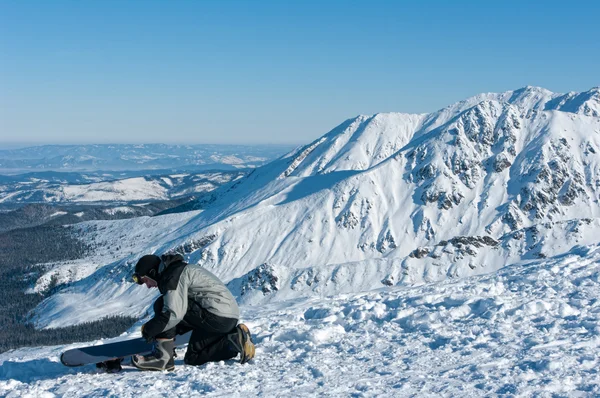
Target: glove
{"type": "Point", "coordinates": [146, 336]}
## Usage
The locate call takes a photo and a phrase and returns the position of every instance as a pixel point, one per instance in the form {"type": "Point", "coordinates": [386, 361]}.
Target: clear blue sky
{"type": "Point", "coordinates": [271, 71]}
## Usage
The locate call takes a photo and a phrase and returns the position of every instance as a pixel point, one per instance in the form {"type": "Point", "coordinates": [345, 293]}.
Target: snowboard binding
{"type": "Point", "coordinates": [110, 366]}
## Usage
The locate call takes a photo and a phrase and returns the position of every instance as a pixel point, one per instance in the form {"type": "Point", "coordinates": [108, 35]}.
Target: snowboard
{"type": "Point", "coordinates": [104, 352]}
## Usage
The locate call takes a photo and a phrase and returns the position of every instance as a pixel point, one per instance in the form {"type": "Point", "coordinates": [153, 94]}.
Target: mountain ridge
{"type": "Point", "coordinates": [375, 189]}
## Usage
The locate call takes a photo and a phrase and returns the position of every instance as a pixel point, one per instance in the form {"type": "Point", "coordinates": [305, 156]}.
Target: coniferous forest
{"type": "Point", "coordinates": [21, 253]}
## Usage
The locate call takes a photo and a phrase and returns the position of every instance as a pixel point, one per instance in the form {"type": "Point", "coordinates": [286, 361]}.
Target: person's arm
{"type": "Point", "coordinates": [175, 306]}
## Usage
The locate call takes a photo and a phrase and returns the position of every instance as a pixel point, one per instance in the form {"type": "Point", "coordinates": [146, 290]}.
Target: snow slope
{"type": "Point", "coordinates": [378, 187]}
{"type": "Point", "coordinates": [531, 329]}
{"type": "Point", "coordinates": [399, 199]}
{"type": "Point", "coordinates": [170, 186]}
{"type": "Point", "coordinates": [106, 292]}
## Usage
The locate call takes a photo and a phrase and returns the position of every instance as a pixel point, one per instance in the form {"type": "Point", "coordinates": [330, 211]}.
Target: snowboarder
{"type": "Point", "coordinates": [193, 299]}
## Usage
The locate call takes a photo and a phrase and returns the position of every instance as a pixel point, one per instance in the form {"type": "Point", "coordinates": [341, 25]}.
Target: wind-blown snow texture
{"type": "Point", "coordinates": [529, 329]}
{"type": "Point", "coordinates": [387, 202]}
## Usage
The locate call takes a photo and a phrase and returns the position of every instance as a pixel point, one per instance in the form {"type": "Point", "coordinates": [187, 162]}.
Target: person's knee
{"type": "Point", "coordinates": [192, 358]}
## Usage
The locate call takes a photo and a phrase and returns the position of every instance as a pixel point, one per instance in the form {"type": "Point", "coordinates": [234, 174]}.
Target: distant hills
{"type": "Point", "coordinates": [111, 157]}
{"type": "Point", "coordinates": [70, 188]}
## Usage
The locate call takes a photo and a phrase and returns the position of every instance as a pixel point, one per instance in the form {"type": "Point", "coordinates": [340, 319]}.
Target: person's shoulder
{"type": "Point", "coordinates": [199, 269]}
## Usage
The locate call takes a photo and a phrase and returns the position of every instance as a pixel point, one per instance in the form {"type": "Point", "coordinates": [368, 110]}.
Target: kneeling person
{"type": "Point", "coordinates": [193, 299]}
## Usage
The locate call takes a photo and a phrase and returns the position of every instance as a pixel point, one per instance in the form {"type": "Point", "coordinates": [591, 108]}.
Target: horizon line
{"type": "Point", "coordinates": [25, 145]}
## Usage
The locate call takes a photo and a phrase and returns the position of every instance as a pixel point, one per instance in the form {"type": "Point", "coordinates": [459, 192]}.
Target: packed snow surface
{"type": "Point", "coordinates": [530, 329]}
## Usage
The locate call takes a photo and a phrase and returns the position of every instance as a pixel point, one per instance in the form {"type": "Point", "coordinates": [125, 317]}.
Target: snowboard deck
{"type": "Point", "coordinates": [104, 352]}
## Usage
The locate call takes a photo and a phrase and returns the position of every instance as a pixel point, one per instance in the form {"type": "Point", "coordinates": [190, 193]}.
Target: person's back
{"type": "Point", "coordinates": [193, 299]}
{"type": "Point", "coordinates": [210, 292]}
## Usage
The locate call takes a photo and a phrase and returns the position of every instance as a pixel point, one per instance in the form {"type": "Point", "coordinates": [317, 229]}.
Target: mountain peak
{"type": "Point", "coordinates": [531, 89]}
{"type": "Point", "coordinates": [346, 211]}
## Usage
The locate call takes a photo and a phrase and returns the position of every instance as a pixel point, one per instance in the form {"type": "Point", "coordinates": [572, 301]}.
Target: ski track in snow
{"type": "Point", "coordinates": [531, 329]}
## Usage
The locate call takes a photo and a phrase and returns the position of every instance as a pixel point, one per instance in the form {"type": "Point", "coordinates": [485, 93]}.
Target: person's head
{"type": "Point", "coordinates": [146, 271]}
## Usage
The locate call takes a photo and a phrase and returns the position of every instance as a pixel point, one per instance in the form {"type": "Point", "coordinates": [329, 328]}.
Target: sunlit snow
{"type": "Point", "coordinates": [454, 253]}
{"type": "Point", "coordinates": [532, 328]}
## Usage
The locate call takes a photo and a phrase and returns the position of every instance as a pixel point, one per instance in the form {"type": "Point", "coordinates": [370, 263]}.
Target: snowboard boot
{"type": "Point", "coordinates": [244, 343]}
{"type": "Point", "coordinates": [159, 359]}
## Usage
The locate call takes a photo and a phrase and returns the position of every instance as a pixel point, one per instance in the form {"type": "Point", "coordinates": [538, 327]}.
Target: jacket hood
{"type": "Point", "coordinates": [168, 259]}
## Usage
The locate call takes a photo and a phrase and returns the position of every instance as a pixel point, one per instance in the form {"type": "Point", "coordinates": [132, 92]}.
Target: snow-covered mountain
{"type": "Point", "coordinates": [378, 187]}
{"type": "Point", "coordinates": [363, 249]}
{"type": "Point", "coordinates": [139, 188]}
{"type": "Point", "coordinates": [395, 199]}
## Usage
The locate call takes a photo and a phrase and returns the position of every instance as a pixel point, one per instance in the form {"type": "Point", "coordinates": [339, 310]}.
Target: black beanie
{"type": "Point", "coordinates": [146, 264]}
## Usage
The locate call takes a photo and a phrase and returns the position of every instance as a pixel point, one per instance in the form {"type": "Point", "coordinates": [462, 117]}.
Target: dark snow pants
{"type": "Point", "coordinates": [209, 341]}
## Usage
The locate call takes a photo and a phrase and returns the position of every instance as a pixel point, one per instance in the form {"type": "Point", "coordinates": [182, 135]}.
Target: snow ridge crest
{"type": "Point", "coordinates": [397, 198]}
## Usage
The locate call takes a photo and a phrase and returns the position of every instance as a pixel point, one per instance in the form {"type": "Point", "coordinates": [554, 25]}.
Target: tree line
{"type": "Point", "coordinates": [21, 253]}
